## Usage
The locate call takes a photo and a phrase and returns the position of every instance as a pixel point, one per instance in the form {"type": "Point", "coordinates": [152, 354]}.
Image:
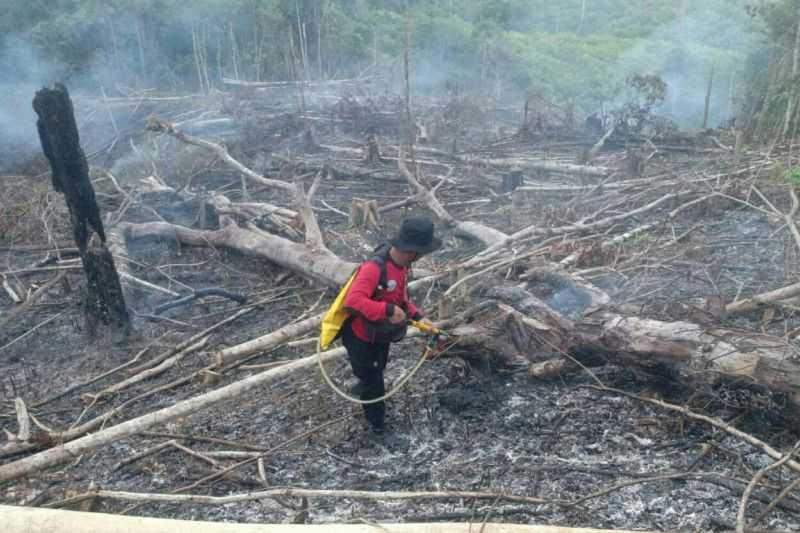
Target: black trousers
{"type": "Point", "coordinates": [368, 361]}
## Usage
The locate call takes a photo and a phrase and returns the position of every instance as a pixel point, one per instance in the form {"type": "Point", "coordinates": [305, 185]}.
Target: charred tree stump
{"type": "Point", "coordinates": [512, 180]}
{"type": "Point", "coordinates": [373, 150]}
{"type": "Point", "coordinates": [635, 162]}
{"type": "Point", "coordinates": [58, 134]}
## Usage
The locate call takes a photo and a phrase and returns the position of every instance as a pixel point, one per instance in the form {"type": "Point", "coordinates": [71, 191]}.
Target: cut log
{"type": "Point", "coordinates": [104, 302]}
{"type": "Point", "coordinates": [693, 354]}
{"type": "Point", "coordinates": [699, 355]}
{"type": "Point", "coordinates": [318, 264]}
{"type": "Point", "coordinates": [545, 166]}
{"type": "Point", "coordinates": [28, 519]}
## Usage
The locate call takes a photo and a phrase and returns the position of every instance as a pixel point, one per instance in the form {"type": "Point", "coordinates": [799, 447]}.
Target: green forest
{"type": "Point", "coordinates": [574, 51]}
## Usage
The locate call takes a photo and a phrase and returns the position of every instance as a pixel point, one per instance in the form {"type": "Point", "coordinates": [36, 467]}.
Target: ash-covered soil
{"type": "Point", "coordinates": [457, 425]}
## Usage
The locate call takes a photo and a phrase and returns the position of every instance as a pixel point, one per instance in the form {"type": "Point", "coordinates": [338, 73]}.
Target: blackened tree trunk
{"type": "Point", "coordinates": [58, 134]}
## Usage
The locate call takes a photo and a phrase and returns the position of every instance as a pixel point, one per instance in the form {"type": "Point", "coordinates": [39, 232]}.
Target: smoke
{"type": "Point", "coordinates": [548, 49]}
{"type": "Point", "coordinates": [685, 53]}
{"type": "Point", "coordinates": [18, 135]}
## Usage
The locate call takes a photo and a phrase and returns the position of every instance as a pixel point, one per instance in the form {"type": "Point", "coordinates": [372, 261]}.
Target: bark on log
{"type": "Point", "coordinates": [318, 264]}
{"type": "Point", "coordinates": [693, 354]}
{"type": "Point", "coordinates": [546, 166]}
{"type": "Point", "coordinates": [28, 519]}
{"type": "Point", "coordinates": [230, 355]}
{"type": "Point", "coordinates": [700, 355]}
{"type": "Point", "coordinates": [58, 133]}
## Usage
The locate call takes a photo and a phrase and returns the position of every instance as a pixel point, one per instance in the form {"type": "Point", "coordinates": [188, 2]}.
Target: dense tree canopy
{"type": "Point", "coordinates": [576, 51]}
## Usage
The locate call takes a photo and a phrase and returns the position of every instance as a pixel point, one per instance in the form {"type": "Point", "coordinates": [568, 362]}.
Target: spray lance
{"type": "Point", "coordinates": [436, 338]}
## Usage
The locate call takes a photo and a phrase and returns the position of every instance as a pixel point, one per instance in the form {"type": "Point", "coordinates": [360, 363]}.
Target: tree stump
{"type": "Point", "coordinates": [373, 150]}
{"type": "Point", "coordinates": [635, 162]}
{"type": "Point", "coordinates": [364, 214]}
{"type": "Point", "coordinates": [58, 133]}
{"type": "Point", "coordinates": [512, 180]}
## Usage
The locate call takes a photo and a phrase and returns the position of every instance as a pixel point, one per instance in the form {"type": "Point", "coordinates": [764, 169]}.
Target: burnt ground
{"type": "Point", "coordinates": [458, 425]}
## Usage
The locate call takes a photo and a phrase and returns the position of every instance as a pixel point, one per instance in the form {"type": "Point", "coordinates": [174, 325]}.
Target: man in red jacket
{"type": "Point", "coordinates": [378, 299]}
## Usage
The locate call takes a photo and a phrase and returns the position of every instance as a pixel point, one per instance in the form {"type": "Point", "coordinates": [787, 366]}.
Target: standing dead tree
{"type": "Point", "coordinates": [58, 133]}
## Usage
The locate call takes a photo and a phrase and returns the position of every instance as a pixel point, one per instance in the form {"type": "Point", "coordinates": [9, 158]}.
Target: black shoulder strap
{"type": "Point", "coordinates": [380, 256]}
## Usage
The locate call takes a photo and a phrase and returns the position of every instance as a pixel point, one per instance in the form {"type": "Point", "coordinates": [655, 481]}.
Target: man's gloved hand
{"type": "Point", "coordinates": [398, 316]}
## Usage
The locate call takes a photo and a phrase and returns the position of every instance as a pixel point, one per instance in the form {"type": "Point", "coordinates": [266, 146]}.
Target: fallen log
{"type": "Point", "coordinates": [28, 519]}
{"type": "Point", "coordinates": [546, 166]}
{"type": "Point", "coordinates": [231, 355]}
{"type": "Point", "coordinates": [319, 264]}
{"type": "Point", "coordinates": [698, 354]}
{"type": "Point", "coordinates": [295, 83]}
{"type": "Point", "coordinates": [525, 164]}
{"type": "Point", "coordinates": [687, 352]}
{"type": "Point", "coordinates": [578, 227]}
{"type": "Point", "coordinates": [289, 492]}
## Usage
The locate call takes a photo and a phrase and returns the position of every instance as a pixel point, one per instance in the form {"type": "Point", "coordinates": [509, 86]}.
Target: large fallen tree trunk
{"type": "Point", "coordinates": [699, 354]}
{"type": "Point", "coordinates": [29, 519]}
{"type": "Point", "coordinates": [526, 164]}
{"type": "Point", "coordinates": [684, 351]}
{"type": "Point", "coordinates": [318, 264]}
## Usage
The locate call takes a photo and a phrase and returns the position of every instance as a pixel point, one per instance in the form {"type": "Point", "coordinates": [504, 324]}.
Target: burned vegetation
{"type": "Point", "coordinates": [621, 296]}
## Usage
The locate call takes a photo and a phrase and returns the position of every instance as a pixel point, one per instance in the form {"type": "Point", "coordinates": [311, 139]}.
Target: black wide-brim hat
{"type": "Point", "coordinates": [416, 235]}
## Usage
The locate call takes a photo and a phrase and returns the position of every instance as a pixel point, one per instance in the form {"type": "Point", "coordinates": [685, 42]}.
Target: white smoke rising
{"type": "Point", "coordinates": [684, 53]}
{"type": "Point", "coordinates": [29, 72]}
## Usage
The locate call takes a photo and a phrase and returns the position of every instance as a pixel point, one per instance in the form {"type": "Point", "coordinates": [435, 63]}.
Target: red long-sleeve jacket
{"type": "Point", "coordinates": [373, 305]}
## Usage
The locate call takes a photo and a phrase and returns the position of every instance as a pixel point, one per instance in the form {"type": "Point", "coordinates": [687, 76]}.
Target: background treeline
{"type": "Point", "coordinates": [571, 51]}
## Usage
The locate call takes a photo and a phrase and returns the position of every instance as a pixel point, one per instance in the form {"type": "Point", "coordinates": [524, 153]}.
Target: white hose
{"type": "Point", "coordinates": [386, 396]}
